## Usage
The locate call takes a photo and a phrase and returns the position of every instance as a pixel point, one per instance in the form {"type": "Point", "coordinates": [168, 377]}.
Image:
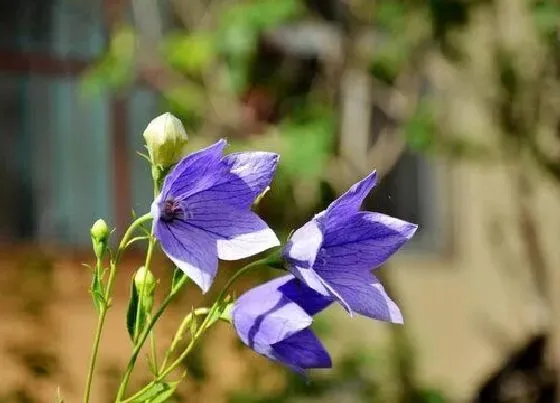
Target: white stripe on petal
{"type": "Point", "coordinates": [248, 244]}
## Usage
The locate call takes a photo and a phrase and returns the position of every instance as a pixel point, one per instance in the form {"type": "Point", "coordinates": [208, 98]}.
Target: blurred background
{"type": "Point", "coordinates": [456, 103]}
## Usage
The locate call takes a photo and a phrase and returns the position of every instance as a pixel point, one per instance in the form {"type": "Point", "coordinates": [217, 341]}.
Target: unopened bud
{"type": "Point", "coordinates": [99, 236]}
{"type": "Point", "coordinates": [145, 281]}
{"type": "Point", "coordinates": [166, 139]}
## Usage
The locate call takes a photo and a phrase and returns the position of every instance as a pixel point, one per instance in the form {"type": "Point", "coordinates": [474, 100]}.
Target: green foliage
{"type": "Point", "coordinates": [96, 291]}
{"type": "Point", "coordinates": [135, 318]}
{"type": "Point", "coordinates": [260, 15]}
{"type": "Point", "coordinates": [546, 15]}
{"type": "Point", "coordinates": [190, 53]}
{"type": "Point", "coordinates": [391, 16]}
{"type": "Point", "coordinates": [114, 69]}
{"type": "Point", "coordinates": [178, 275]}
{"type": "Point", "coordinates": [159, 392]}
{"type": "Point", "coordinates": [307, 144]}
{"type": "Point", "coordinates": [420, 130]}
{"type": "Point", "coordinates": [239, 28]}
{"type": "Point", "coordinates": [389, 59]}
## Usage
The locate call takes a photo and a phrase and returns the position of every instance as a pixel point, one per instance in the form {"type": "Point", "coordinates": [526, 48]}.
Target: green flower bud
{"type": "Point", "coordinates": [145, 281]}
{"type": "Point", "coordinates": [99, 236]}
{"type": "Point", "coordinates": [166, 139]}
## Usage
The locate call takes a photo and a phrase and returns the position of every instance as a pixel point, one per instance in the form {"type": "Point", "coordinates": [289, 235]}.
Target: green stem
{"type": "Point", "coordinates": [93, 359]}
{"type": "Point", "coordinates": [144, 336]}
{"type": "Point", "coordinates": [205, 324]}
{"type": "Point", "coordinates": [154, 354]}
{"type": "Point", "coordinates": [103, 311]}
{"type": "Point", "coordinates": [182, 330]}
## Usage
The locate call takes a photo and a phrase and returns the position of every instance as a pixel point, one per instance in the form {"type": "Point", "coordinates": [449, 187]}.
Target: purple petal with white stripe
{"type": "Point", "coordinates": [270, 320]}
{"type": "Point", "coordinates": [205, 203]}
{"type": "Point", "coordinates": [335, 252]}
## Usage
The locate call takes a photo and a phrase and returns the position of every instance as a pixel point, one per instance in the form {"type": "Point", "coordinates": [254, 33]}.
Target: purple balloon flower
{"type": "Point", "coordinates": [203, 211]}
{"type": "Point", "coordinates": [274, 318]}
{"type": "Point", "coordinates": [335, 252]}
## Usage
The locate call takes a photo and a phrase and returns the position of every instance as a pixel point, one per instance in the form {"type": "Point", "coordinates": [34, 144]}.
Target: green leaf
{"type": "Point", "coordinates": [96, 291]}
{"type": "Point", "coordinates": [150, 393]}
{"type": "Point", "coordinates": [157, 393]}
{"type": "Point", "coordinates": [163, 396]}
{"type": "Point", "coordinates": [178, 275]}
{"type": "Point", "coordinates": [132, 321]}
{"type": "Point", "coordinates": [226, 313]}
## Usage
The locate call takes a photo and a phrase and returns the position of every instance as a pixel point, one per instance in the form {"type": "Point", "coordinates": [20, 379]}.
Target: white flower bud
{"type": "Point", "coordinates": [166, 139]}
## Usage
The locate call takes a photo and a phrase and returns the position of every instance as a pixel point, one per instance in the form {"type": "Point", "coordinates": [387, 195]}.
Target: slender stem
{"type": "Point", "coordinates": [154, 353]}
{"type": "Point", "coordinates": [182, 330]}
{"type": "Point", "coordinates": [205, 323]}
{"type": "Point", "coordinates": [104, 308]}
{"type": "Point", "coordinates": [100, 321]}
{"type": "Point", "coordinates": [144, 336]}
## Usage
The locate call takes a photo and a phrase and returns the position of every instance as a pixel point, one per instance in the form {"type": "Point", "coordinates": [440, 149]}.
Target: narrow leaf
{"type": "Point", "coordinates": [166, 394]}
{"type": "Point", "coordinates": [150, 393]}
{"type": "Point", "coordinates": [177, 277]}
{"type": "Point", "coordinates": [96, 291]}
{"type": "Point", "coordinates": [132, 321]}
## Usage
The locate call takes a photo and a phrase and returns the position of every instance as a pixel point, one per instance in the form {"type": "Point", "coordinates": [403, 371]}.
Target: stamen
{"type": "Point", "coordinates": [171, 210]}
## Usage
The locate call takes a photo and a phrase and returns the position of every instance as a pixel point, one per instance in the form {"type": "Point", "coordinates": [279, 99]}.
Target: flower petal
{"type": "Point", "coordinates": [302, 247]}
{"type": "Point", "coordinates": [310, 300]}
{"type": "Point", "coordinates": [195, 172]}
{"type": "Point", "coordinates": [192, 250]}
{"type": "Point", "coordinates": [239, 234]}
{"type": "Point", "coordinates": [301, 351]}
{"type": "Point", "coordinates": [249, 174]}
{"type": "Point", "coordinates": [349, 203]}
{"type": "Point", "coordinates": [365, 241]}
{"type": "Point", "coordinates": [264, 316]}
{"type": "Point", "coordinates": [362, 292]}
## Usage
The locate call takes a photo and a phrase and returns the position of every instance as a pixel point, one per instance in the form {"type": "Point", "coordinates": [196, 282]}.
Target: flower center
{"type": "Point", "coordinates": [171, 210]}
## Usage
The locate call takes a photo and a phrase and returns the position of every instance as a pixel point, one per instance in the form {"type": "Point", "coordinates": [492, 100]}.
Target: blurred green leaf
{"type": "Point", "coordinates": [390, 15]}
{"type": "Point", "coordinates": [546, 15]}
{"type": "Point", "coordinates": [114, 69]}
{"type": "Point", "coordinates": [389, 59]}
{"type": "Point", "coordinates": [239, 30]}
{"type": "Point", "coordinates": [421, 128]}
{"type": "Point", "coordinates": [190, 53]}
{"type": "Point", "coordinates": [307, 146]}
{"type": "Point", "coordinates": [260, 15]}
{"type": "Point", "coordinates": [431, 396]}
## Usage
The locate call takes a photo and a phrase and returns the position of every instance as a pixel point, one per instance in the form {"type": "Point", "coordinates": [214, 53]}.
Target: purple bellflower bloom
{"type": "Point", "coordinates": [203, 211]}
{"type": "Point", "coordinates": [274, 318]}
{"type": "Point", "coordinates": [335, 252]}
